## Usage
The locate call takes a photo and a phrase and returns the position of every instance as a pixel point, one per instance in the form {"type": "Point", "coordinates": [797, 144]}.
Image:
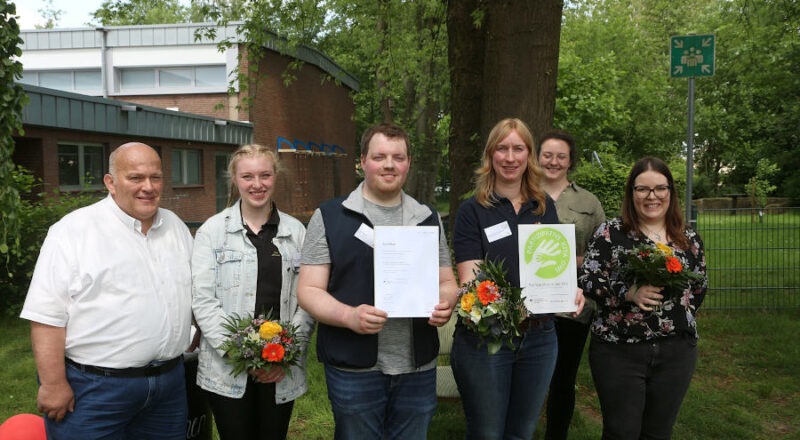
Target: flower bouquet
{"type": "Point", "coordinates": [260, 342]}
{"type": "Point", "coordinates": [657, 266]}
{"type": "Point", "coordinates": [490, 306]}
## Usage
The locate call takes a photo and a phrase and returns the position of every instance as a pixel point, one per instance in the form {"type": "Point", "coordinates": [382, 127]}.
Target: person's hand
{"type": "Point", "coordinates": [441, 314]}
{"type": "Point", "coordinates": [272, 374]}
{"type": "Point", "coordinates": [54, 400]}
{"type": "Point", "coordinates": [366, 319]}
{"type": "Point", "coordinates": [645, 297]}
{"type": "Point", "coordinates": [195, 340]}
{"type": "Point", "coordinates": [580, 300]}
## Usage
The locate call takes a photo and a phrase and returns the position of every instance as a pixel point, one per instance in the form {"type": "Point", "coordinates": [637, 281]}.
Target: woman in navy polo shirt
{"type": "Point", "coordinates": [503, 393]}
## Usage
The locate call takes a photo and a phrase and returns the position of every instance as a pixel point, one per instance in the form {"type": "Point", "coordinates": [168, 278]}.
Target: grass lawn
{"type": "Point", "coordinates": [746, 385]}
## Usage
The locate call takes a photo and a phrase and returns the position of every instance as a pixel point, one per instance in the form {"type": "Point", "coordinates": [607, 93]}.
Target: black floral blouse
{"type": "Point", "coordinates": [619, 320]}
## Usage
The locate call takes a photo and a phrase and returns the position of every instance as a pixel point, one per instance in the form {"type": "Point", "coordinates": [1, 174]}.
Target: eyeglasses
{"type": "Point", "coordinates": [643, 192]}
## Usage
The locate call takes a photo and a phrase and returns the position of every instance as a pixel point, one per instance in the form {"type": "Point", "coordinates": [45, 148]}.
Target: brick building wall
{"type": "Point", "coordinates": [215, 105]}
{"type": "Point", "coordinates": [38, 151]}
{"type": "Point", "coordinates": [313, 109]}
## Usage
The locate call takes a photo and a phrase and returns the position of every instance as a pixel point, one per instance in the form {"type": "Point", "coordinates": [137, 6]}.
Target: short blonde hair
{"type": "Point", "coordinates": [247, 151]}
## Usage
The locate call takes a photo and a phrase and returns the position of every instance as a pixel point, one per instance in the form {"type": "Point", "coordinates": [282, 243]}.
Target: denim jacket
{"type": "Point", "coordinates": [224, 275]}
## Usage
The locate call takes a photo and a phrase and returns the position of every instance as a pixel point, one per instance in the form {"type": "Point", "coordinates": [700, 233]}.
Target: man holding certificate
{"type": "Point", "coordinates": [379, 364]}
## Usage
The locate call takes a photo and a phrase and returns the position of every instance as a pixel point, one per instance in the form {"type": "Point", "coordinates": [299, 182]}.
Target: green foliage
{"type": "Point", "coordinates": [614, 87]}
{"type": "Point", "coordinates": [606, 182]}
{"type": "Point", "coordinates": [396, 49]}
{"type": "Point", "coordinates": [759, 186]}
{"type": "Point", "coordinates": [12, 100]}
{"type": "Point", "coordinates": [138, 12]}
{"type": "Point", "coordinates": [750, 108]}
{"type": "Point", "coordinates": [37, 216]}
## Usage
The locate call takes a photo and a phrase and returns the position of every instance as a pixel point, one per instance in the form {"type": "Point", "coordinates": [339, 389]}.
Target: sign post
{"type": "Point", "coordinates": [691, 56]}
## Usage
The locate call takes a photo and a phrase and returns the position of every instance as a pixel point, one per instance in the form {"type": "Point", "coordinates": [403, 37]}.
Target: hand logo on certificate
{"type": "Point", "coordinates": [548, 252]}
{"type": "Point", "coordinates": [548, 275]}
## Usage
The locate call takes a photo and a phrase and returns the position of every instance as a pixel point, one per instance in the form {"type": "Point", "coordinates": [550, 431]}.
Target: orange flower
{"type": "Point", "coordinates": [674, 265]}
{"type": "Point", "coordinates": [487, 292]}
{"type": "Point", "coordinates": [273, 352]}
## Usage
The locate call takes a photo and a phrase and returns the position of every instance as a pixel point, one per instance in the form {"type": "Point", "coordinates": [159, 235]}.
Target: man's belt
{"type": "Point", "coordinates": [156, 369]}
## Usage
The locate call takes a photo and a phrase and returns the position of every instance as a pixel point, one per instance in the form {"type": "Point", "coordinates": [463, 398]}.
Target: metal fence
{"type": "Point", "coordinates": [753, 257]}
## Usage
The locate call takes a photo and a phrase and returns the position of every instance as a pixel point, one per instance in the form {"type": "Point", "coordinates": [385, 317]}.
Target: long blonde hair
{"type": "Point", "coordinates": [485, 175]}
{"type": "Point", "coordinates": [247, 151]}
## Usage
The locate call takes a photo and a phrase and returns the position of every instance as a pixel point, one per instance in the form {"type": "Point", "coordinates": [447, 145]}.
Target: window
{"type": "Point", "coordinates": [31, 78]}
{"type": "Point", "coordinates": [69, 80]}
{"type": "Point", "coordinates": [173, 77]}
{"type": "Point", "coordinates": [56, 80]}
{"type": "Point", "coordinates": [210, 76]}
{"type": "Point", "coordinates": [137, 79]}
{"type": "Point", "coordinates": [186, 167]}
{"type": "Point", "coordinates": [81, 166]}
{"type": "Point", "coordinates": [88, 80]}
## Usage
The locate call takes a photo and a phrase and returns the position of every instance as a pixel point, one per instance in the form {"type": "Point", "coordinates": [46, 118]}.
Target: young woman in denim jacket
{"type": "Point", "coordinates": [246, 261]}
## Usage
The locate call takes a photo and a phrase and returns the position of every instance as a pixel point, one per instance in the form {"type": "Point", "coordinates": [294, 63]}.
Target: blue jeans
{"type": "Point", "coordinates": [503, 393]}
{"type": "Point", "coordinates": [373, 405]}
{"type": "Point", "coordinates": [115, 408]}
{"type": "Point", "coordinates": [641, 386]}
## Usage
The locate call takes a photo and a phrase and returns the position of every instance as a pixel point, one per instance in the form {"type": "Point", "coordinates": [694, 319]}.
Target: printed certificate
{"type": "Point", "coordinates": [547, 269]}
{"type": "Point", "coordinates": [406, 270]}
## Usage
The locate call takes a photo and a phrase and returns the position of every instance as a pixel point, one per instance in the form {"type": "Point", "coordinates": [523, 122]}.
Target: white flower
{"type": "Point", "coordinates": [475, 315]}
{"type": "Point", "coordinates": [253, 336]}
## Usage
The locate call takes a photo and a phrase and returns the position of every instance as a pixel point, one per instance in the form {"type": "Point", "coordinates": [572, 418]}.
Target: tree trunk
{"type": "Point", "coordinates": [521, 63]}
{"type": "Point", "coordinates": [423, 112]}
{"type": "Point", "coordinates": [506, 66]}
{"type": "Point", "coordinates": [382, 28]}
{"type": "Point", "coordinates": [466, 57]}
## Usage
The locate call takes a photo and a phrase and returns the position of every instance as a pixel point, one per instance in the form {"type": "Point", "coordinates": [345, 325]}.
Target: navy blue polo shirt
{"type": "Point", "coordinates": [480, 232]}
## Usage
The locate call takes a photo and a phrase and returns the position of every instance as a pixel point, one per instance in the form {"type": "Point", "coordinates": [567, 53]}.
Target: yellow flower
{"type": "Point", "coordinates": [467, 300]}
{"type": "Point", "coordinates": [269, 330]}
{"type": "Point", "coordinates": [665, 249]}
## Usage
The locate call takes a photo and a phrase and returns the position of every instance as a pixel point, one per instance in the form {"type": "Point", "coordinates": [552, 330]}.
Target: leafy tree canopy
{"type": "Point", "coordinates": [12, 100]}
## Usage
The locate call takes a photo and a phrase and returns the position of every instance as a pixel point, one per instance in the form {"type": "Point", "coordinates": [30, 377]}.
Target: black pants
{"type": "Point", "coordinates": [561, 397]}
{"type": "Point", "coordinates": [254, 416]}
{"type": "Point", "coordinates": [641, 386]}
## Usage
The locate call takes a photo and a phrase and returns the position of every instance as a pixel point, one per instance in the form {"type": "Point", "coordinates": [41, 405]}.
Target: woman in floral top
{"type": "Point", "coordinates": [644, 341]}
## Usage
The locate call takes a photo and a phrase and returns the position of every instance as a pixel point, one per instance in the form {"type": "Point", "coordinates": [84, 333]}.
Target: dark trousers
{"type": "Point", "coordinates": [254, 416]}
{"type": "Point", "coordinates": [561, 397]}
{"type": "Point", "coordinates": [641, 386]}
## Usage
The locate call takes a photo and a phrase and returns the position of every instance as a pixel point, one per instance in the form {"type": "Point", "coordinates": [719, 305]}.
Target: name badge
{"type": "Point", "coordinates": [498, 231]}
{"type": "Point", "coordinates": [366, 234]}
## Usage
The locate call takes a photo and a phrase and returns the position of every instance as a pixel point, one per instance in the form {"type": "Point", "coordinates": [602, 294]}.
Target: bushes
{"type": "Point", "coordinates": [606, 183]}
{"type": "Point", "coordinates": [36, 215]}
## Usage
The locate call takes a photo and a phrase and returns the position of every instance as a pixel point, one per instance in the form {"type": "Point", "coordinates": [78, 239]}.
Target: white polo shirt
{"type": "Point", "coordinates": [124, 297]}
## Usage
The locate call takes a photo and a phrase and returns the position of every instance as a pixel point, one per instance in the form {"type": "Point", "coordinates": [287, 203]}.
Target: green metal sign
{"type": "Point", "coordinates": [691, 55]}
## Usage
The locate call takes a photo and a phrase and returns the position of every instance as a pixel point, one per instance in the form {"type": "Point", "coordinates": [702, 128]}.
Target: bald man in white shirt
{"type": "Point", "coordinates": [110, 311]}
